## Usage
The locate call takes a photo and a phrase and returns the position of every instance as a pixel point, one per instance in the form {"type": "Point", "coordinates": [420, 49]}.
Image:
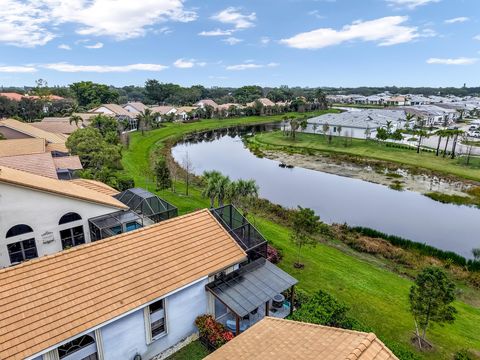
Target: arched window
{"type": "Point", "coordinates": [19, 230]}
{"type": "Point", "coordinates": [69, 217]}
{"type": "Point", "coordinates": [84, 343]}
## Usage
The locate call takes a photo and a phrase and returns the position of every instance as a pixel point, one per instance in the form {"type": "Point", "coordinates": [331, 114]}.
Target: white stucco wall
{"type": "Point", "coordinates": [125, 337]}
{"type": "Point", "coordinates": [41, 211]}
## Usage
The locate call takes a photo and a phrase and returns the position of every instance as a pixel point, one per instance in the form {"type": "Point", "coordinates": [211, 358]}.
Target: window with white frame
{"type": "Point", "coordinates": [158, 324]}
{"type": "Point", "coordinates": [72, 236]}
{"type": "Point", "coordinates": [82, 348]}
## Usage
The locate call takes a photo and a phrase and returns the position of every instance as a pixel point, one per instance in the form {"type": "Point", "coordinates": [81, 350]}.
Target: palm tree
{"type": "Point", "coordinates": [440, 134]}
{"type": "Point", "coordinates": [456, 134]}
{"type": "Point", "coordinates": [448, 134]}
{"type": "Point", "coordinates": [389, 126]}
{"type": "Point", "coordinates": [241, 193]}
{"type": "Point", "coordinates": [408, 118]}
{"type": "Point", "coordinates": [145, 119]}
{"type": "Point", "coordinates": [210, 189]}
{"type": "Point", "coordinates": [421, 134]}
{"type": "Point", "coordinates": [75, 119]}
{"type": "Point", "coordinates": [222, 187]}
{"type": "Point", "coordinates": [294, 125]}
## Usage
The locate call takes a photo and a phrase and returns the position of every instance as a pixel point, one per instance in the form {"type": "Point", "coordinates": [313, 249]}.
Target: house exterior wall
{"type": "Point", "coordinates": [131, 109]}
{"type": "Point", "coordinates": [42, 212]}
{"type": "Point", "coordinates": [125, 337]}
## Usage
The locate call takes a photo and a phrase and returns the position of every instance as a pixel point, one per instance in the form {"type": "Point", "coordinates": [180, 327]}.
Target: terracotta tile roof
{"type": "Point", "coordinates": [68, 162]}
{"type": "Point", "coordinates": [278, 339]}
{"type": "Point", "coordinates": [264, 101]}
{"type": "Point", "coordinates": [139, 106]}
{"type": "Point", "coordinates": [207, 102]}
{"type": "Point", "coordinates": [162, 110]}
{"type": "Point", "coordinates": [55, 186]}
{"type": "Point", "coordinates": [117, 109]}
{"type": "Point", "coordinates": [39, 164]}
{"type": "Point", "coordinates": [50, 299]}
{"type": "Point", "coordinates": [57, 147]}
{"type": "Point", "coordinates": [12, 96]}
{"type": "Point", "coordinates": [32, 131]}
{"type": "Point", "coordinates": [14, 147]}
{"type": "Point", "coordinates": [60, 126]}
{"type": "Point", "coordinates": [97, 186]}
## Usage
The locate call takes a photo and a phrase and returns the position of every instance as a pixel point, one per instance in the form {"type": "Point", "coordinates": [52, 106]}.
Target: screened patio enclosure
{"type": "Point", "coordinates": [251, 292]}
{"type": "Point", "coordinates": [246, 235]}
{"type": "Point", "coordinates": [147, 204]}
{"type": "Point", "coordinates": [104, 226]}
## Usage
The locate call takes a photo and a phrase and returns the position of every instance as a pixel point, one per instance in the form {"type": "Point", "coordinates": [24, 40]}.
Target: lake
{"type": "Point", "coordinates": [334, 198]}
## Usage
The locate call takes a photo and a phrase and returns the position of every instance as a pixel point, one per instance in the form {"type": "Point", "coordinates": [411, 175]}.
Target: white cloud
{"type": "Point", "coordinates": [188, 63]}
{"type": "Point", "coordinates": [385, 31]}
{"type": "Point", "coordinates": [17, 69]}
{"type": "Point", "coordinates": [264, 40]}
{"type": "Point", "coordinates": [233, 16]}
{"type": "Point", "coordinates": [98, 45]}
{"type": "Point", "coordinates": [216, 32]}
{"type": "Point", "coordinates": [23, 24]}
{"type": "Point", "coordinates": [66, 67]}
{"type": "Point", "coordinates": [316, 14]}
{"type": "Point", "coordinates": [64, 47]}
{"type": "Point", "coordinates": [410, 4]}
{"type": "Point", "coordinates": [460, 19]}
{"type": "Point", "coordinates": [477, 37]}
{"type": "Point", "coordinates": [232, 40]}
{"type": "Point", "coordinates": [456, 61]}
{"type": "Point", "coordinates": [33, 23]}
{"type": "Point", "coordinates": [250, 65]}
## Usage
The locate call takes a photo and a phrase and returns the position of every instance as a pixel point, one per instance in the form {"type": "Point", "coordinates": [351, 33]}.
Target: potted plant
{"type": "Point", "coordinates": [212, 333]}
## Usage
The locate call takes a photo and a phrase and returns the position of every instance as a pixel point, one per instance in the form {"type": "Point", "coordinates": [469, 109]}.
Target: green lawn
{"type": "Point", "coordinates": [376, 296]}
{"type": "Point", "coordinates": [369, 149]}
{"type": "Point", "coordinates": [193, 351]}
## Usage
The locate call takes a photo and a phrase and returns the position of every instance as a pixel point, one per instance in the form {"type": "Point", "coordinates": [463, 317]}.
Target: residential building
{"type": "Point", "coordinates": [397, 101]}
{"type": "Point", "coordinates": [141, 301]}
{"type": "Point", "coordinates": [433, 114]}
{"type": "Point", "coordinates": [135, 107]}
{"type": "Point", "coordinates": [12, 96]}
{"type": "Point", "coordinates": [58, 125]}
{"type": "Point", "coordinates": [41, 215]}
{"type": "Point", "coordinates": [205, 102]}
{"type": "Point", "coordinates": [33, 155]}
{"type": "Point", "coordinates": [163, 111]}
{"type": "Point", "coordinates": [358, 124]}
{"type": "Point", "coordinates": [119, 113]}
{"type": "Point", "coordinates": [263, 101]}
{"type": "Point", "coordinates": [277, 339]}
{"type": "Point", "coordinates": [14, 129]}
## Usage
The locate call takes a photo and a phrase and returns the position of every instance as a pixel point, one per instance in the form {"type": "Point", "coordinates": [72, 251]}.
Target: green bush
{"type": "Point", "coordinates": [462, 355]}
{"type": "Point", "coordinates": [124, 182]}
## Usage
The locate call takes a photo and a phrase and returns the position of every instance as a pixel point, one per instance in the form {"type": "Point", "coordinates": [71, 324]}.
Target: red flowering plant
{"type": "Point", "coordinates": [213, 331]}
{"type": "Point", "coordinates": [273, 255]}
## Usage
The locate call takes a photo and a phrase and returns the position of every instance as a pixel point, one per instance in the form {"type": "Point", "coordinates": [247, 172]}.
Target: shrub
{"type": "Point", "coordinates": [273, 255]}
{"type": "Point", "coordinates": [462, 355]}
{"type": "Point", "coordinates": [324, 309]}
{"type": "Point", "coordinates": [124, 182]}
{"type": "Point", "coordinates": [213, 331]}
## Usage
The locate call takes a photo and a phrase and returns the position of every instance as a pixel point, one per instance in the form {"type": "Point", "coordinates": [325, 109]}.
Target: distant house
{"type": "Point", "coordinates": [58, 125]}
{"type": "Point", "coordinates": [397, 101]}
{"type": "Point", "coordinates": [162, 111]}
{"type": "Point", "coordinates": [273, 339]}
{"type": "Point", "coordinates": [205, 102]}
{"type": "Point", "coordinates": [263, 101]}
{"type": "Point", "coordinates": [135, 107]}
{"type": "Point", "coordinates": [433, 114]}
{"type": "Point", "coordinates": [12, 96]}
{"type": "Point", "coordinates": [119, 113]}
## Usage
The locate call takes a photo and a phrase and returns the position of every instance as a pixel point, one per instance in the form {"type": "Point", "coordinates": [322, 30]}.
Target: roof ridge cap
{"type": "Point", "coordinates": [360, 348]}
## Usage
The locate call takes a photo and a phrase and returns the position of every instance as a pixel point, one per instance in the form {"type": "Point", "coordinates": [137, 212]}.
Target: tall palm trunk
{"type": "Point", "coordinates": [438, 145]}
{"type": "Point", "coordinates": [454, 146]}
{"type": "Point", "coordinates": [446, 145]}
{"type": "Point", "coordinates": [419, 143]}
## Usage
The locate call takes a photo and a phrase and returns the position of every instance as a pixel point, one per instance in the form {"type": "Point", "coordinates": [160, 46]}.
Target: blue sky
{"type": "Point", "coordinates": [234, 43]}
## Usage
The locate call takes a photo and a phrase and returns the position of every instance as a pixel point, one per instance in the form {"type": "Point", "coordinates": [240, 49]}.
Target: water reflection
{"type": "Point", "coordinates": [335, 198]}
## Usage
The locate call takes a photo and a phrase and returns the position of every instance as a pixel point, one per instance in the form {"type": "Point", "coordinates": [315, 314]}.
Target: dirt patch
{"type": "Point", "coordinates": [399, 178]}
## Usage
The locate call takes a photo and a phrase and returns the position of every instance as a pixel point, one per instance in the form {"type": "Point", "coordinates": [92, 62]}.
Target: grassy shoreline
{"type": "Point", "coordinates": [358, 148]}
{"type": "Point", "coordinates": [363, 282]}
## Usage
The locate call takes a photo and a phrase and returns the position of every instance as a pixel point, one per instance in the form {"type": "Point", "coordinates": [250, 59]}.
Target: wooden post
{"type": "Point", "coordinates": [237, 325]}
{"type": "Point", "coordinates": [267, 308]}
{"type": "Point", "coordinates": [292, 298]}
